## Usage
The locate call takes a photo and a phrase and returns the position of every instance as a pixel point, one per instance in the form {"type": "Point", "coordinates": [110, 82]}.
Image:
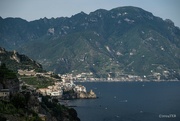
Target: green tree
{"type": "Point", "coordinates": [18, 100]}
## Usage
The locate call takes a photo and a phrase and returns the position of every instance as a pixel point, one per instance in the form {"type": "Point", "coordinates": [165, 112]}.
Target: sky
{"type": "Point", "coordinates": [36, 9]}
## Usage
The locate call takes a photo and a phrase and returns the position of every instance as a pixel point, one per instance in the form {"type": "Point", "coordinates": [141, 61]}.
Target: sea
{"type": "Point", "coordinates": [130, 101]}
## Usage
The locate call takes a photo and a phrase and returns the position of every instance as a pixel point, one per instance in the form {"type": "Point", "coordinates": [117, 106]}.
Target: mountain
{"type": "Point", "coordinates": [15, 61]}
{"type": "Point", "coordinates": [121, 41]}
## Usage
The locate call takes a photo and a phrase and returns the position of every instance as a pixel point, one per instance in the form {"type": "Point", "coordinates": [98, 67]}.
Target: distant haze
{"type": "Point", "coordinates": [35, 9]}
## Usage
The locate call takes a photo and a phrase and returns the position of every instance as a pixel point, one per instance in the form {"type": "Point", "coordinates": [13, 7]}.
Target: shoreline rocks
{"type": "Point", "coordinates": [86, 95]}
{"type": "Point", "coordinates": [79, 95]}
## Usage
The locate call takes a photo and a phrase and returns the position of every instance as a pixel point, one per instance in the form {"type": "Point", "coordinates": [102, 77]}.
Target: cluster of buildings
{"type": "Point", "coordinates": [80, 76]}
{"type": "Point", "coordinates": [51, 91]}
{"type": "Point", "coordinates": [89, 77]}
{"type": "Point", "coordinates": [120, 77]}
{"type": "Point", "coordinates": [58, 88]}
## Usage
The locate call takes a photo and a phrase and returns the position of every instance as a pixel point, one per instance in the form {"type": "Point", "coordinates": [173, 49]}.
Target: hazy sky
{"type": "Point", "coordinates": [36, 9]}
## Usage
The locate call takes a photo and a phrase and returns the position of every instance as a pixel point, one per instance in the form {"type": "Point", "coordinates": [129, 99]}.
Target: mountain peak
{"type": "Point", "coordinates": [99, 11]}
{"type": "Point", "coordinates": [121, 41]}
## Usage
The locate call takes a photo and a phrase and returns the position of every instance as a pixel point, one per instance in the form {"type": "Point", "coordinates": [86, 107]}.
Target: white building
{"type": "Point", "coordinates": [79, 88]}
{"type": "Point", "coordinates": [57, 93]}
{"type": "Point", "coordinates": [50, 91]}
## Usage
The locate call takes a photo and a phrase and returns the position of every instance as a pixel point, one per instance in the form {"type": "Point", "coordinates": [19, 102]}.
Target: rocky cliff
{"type": "Point", "coordinates": [8, 79]}
{"type": "Point", "coordinates": [88, 95]}
{"type": "Point", "coordinates": [26, 106]}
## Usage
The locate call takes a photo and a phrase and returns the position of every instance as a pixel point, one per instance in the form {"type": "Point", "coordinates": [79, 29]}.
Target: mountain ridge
{"type": "Point", "coordinates": [123, 40]}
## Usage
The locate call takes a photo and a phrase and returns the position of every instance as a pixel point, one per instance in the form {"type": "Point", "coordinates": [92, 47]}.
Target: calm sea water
{"type": "Point", "coordinates": [130, 101]}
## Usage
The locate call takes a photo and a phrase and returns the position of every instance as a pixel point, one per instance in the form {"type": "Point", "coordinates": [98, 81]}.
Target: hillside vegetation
{"type": "Point", "coordinates": [121, 41]}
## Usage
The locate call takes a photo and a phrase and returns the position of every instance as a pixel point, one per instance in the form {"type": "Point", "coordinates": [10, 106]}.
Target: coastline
{"type": "Point", "coordinates": [119, 80]}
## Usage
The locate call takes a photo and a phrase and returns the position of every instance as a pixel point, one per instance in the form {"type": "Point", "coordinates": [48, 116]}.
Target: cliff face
{"type": "Point", "coordinates": [12, 84]}
{"type": "Point", "coordinates": [57, 112]}
{"type": "Point", "coordinates": [26, 106]}
{"type": "Point", "coordinates": [8, 79]}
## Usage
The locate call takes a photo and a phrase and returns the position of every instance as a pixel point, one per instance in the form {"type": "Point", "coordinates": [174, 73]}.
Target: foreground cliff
{"type": "Point", "coordinates": [28, 105]}
{"type": "Point", "coordinates": [8, 79]}
{"type": "Point", "coordinates": [25, 106]}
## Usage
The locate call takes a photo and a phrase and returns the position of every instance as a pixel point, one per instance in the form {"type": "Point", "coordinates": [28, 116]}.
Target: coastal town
{"type": "Point", "coordinates": [63, 87]}
{"type": "Point", "coordinates": [88, 77]}
{"type": "Point", "coordinates": [20, 101]}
